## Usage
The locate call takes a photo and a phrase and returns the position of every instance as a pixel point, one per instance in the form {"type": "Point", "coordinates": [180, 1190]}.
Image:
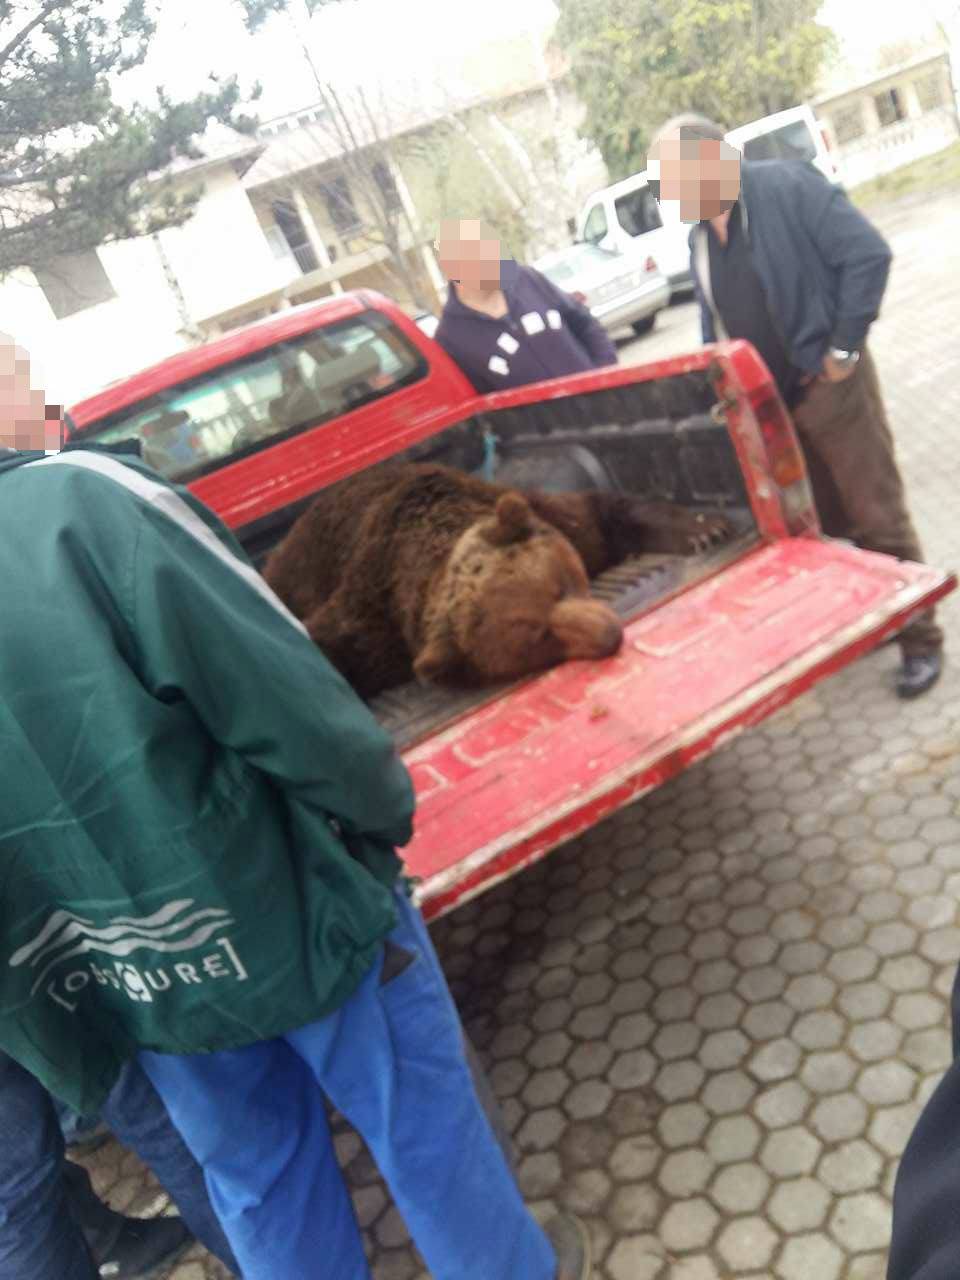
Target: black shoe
{"type": "Point", "coordinates": [143, 1248]}
{"type": "Point", "coordinates": [918, 673]}
{"type": "Point", "coordinates": [571, 1244]}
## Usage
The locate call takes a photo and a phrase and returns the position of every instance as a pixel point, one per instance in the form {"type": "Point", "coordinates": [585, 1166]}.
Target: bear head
{"type": "Point", "coordinates": [512, 598]}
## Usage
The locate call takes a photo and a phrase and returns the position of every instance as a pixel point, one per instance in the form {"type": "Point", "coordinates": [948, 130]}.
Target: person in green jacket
{"type": "Point", "coordinates": [198, 869]}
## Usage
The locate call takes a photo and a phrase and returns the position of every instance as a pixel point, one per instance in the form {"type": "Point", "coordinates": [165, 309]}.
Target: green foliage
{"type": "Point", "coordinates": [256, 12]}
{"type": "Point", "coordinates": [635, 63]}
{"type": "Point", "coordinates": [73, 162]}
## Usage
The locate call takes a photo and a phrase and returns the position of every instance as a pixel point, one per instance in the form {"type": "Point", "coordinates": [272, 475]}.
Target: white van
{"type": "Point", "coordinates": [787, 135]}
{"type": "Point", "coordinates": [626, 217]}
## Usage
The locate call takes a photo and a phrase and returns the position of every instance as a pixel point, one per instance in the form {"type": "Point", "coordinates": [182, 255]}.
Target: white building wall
{"type": "Point", "coordinates": [221, 259]}
{"type": "Point", "coordinates": [79, 354]}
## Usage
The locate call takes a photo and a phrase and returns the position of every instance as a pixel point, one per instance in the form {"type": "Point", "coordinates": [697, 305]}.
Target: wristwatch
{"type": "Point", "coordinates": [846, 359]}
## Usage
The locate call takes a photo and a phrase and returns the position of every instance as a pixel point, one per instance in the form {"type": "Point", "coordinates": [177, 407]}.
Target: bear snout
{"type": "Point", "coordinates": [586, 629]}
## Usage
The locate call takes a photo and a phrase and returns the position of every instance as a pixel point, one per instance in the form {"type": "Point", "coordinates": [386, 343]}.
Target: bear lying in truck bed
{"type": "Point", "coordinates": [419, 569]}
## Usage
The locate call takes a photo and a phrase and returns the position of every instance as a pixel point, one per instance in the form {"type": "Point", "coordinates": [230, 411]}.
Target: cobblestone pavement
{"type": "Point", "coordinates": [713, 1020]}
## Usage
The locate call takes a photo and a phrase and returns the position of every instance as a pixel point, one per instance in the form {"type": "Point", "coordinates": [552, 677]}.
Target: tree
{"type": "Point", "coordinates": [72, 161]}
{"type": "Point", "coordinates": [357, 125]}
{"type": "Point", "coordinates": [637, 62]}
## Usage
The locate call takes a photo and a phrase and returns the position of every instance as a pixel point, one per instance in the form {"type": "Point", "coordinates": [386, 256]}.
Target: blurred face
{"type": "Point", "coordinates": [469, 254]}
{"type": "Point", "coordinates": [26, 421]}
{"type": "Point", "coordinates": [702, 177]}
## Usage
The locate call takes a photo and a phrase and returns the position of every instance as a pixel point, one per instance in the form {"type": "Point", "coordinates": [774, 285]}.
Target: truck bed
{"type": "Point", "coordinates": [661, 440]}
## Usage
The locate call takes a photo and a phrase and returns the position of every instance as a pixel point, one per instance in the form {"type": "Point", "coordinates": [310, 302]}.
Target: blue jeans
{"type": "Point", "coordinates": [392, 1061]}
{"type": "Point", "coordinates": [39, 1211]}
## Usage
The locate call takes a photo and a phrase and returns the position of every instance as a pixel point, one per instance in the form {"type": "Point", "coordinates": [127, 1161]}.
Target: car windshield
{"type": "Point", "coordinates": [789, 142]}
{"type": "Point", "coordinates": [578, 260]}
{"type": "Point", "coordinates": [197, 426]}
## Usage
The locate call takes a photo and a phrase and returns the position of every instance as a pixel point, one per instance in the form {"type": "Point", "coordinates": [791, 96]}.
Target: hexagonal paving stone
{"type": "Point", "coordinates": [810, 1255]}
{"type": "Point", "coordinates": [549, 1050]}
{"type": "Point", "coordinates": [683, 1125]}
{"type": "Point", "coordinates": [887, 1083]}
{"type": "Point", "coordinates": [747, 1242]}
{"type": "Point", "coordinates": [635, 1208]}
{"type": "Point", "coordinates": [783, 1104]}
{"type": "Point", "coordinates": [733, 1139]}
{"type": "Point", "coordinates": [864, 1001]}
{"type": "Point", "coordinates": [684, 1173]}
{"type": "Point", "coordinates": [546, 1087]}
{"type": "Point", "coordinates": [689, 1225]}
{"type": "Point", "coordinates": [830, 1072]}
{"type": "Point", "coordinates": [854, 1166]}
{"type": "Point", "coordinates": [800, 1205]}
{"type": "Point", "coordinates": [873, 1041]}
{"type": "Point", "coordinates": [790, 1153]}
{"type": "Point", "coordinates": [632, 1070]}
{"type": "Point", "coordinates": [861, 1222]}
{"type": "Point", "coordinates": [587, 1100]}
{"type": "Point", "coordinates": [540, 1130]}
{"type": "Point", "coordinates": [634, 1158]}
{"type": "Point", "coordinates": [821, 1030]}
{"type": "Point", "coordinates": [728, 1092]}
{"type": "Point", "coordinates": [907, 973]}
{"type": "Point", "coordinates": [740, 1188]}
{"type": "Point", "coordinates": [678, 1080]}
{"type": "Point", "coordinates": [917, 1011]}
{"type": "Point", "coordinates": [636, 1258]}
{"type": "Point", "coordinates": [891, 1127]}
{"type": "Point", "coordinates": [777, 1060]}
{"type": "Point", "coordinates": [589, 1060]}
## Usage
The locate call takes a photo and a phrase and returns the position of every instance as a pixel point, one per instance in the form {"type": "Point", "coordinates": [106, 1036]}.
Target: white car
{"type": "Point", "coordinates": [622, 290]}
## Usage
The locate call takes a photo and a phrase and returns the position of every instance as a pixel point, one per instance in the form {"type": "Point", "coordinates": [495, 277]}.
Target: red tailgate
{"type": "Point", "coordinates": [504, 785]}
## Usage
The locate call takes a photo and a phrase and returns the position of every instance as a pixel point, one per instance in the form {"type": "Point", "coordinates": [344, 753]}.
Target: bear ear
{"type": "Point", "coordinates": [513, 520]}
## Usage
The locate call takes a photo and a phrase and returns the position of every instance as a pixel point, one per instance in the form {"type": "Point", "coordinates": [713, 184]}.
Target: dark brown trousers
{"type": "Point", "coordinates": [856, 482]}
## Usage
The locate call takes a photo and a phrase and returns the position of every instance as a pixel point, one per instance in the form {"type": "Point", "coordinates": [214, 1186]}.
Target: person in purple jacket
{"type": "Point", "coordinates": [506, 325]}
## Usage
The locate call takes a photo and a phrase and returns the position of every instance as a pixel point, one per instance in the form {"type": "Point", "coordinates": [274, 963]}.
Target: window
{"type": "Point", "coordinates": [930, 90]}
{"type": "Point", "coordinates": [384, 179]}
{"type": "Point", "coordinates": [848, 124]}
{"type": "Point", "coordinates": [287, 388]}
{"type": "Point", "coordinates": [73, 282]}
{"type": "Point", "coordinates": [295, 234]}
{"type": "Point", "coordinates": [339, 201]}
{"type": "Point", "coordinates": [596, 225]}
{"type": "Point", "coordinates": [889, 107]}
{"type": "Point", "coordinates": [791, 142]}
{"type": "Point", "coordinates": [638, 212]}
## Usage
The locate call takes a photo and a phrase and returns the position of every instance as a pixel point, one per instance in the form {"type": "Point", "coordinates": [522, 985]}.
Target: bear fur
{"type": "Point", "coordinates": [419, 569]}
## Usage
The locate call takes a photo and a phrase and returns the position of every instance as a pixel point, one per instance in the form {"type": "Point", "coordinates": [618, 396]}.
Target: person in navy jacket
{"type": "Point", "coordinates": [506, 325]}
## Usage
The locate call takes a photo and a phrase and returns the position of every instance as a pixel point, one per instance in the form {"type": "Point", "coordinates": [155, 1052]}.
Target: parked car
{"type": "Point", "coordinates": [713, 643]}
{"type": "Point", "coordinates": [626, 218]}
{"type": "Point", "coordinates": [621, 289]}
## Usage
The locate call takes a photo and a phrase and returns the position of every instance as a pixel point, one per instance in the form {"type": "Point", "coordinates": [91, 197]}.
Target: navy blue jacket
{"type": "Point", "coordinates": [546, 334]}
{"type": "Point", "coordinates": [822, 265]}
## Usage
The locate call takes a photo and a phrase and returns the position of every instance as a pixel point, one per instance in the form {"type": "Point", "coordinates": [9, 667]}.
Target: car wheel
{"type": "Point", "coordinates": [640, 327]}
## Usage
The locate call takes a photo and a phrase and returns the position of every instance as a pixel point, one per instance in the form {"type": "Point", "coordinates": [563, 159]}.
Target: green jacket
{"type": "Point", "coordinates": [199, 816]}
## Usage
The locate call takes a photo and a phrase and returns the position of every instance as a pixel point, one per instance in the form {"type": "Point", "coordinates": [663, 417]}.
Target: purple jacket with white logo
{"type": "Point", "coordinates": [546, 334]}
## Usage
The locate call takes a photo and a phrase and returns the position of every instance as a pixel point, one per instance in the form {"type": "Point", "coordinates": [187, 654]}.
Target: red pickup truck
{"type": "Point", "coordinates": [257, 422]}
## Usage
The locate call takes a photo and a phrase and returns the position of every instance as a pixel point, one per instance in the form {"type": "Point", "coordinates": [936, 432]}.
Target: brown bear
{"type": "Point", "coordinates": [420, 569]}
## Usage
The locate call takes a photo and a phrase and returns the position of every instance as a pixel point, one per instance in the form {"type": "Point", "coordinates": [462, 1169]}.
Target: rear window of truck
{"type": "Point", "coordinates": [199, 425]}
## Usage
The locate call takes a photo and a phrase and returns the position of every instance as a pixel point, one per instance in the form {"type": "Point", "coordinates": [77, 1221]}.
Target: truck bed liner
{"type": "Point", "coordinates": [412, 711]}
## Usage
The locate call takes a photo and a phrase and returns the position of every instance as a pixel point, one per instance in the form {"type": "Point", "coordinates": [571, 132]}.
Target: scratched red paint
{"type": "Point", "coordinates": [539, 786]}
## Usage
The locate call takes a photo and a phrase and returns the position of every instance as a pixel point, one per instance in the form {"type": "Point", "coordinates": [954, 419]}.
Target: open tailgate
{"type": "Point", "coordinates": [502, 786]}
